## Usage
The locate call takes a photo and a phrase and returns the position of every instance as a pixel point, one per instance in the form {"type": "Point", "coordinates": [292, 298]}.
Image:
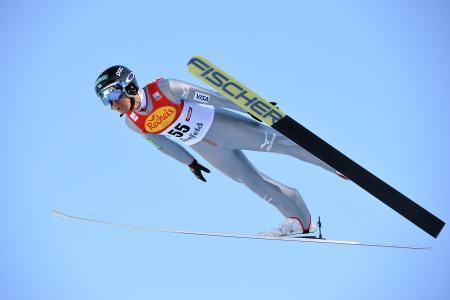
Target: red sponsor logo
{"type": "Point", "coordinates": [188, 117]}
{"type": "Point", "coordinates": [160, 119]}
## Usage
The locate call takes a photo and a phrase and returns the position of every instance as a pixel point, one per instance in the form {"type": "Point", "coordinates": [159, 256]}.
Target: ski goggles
{"type": "Point", "coordinates": [111, 94]}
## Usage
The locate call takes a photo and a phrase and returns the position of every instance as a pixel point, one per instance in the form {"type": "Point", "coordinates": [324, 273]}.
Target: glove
{"type": "Point", "coordinates": [197, 169]}
{"type": "Point", "coordinates": [258, 119]}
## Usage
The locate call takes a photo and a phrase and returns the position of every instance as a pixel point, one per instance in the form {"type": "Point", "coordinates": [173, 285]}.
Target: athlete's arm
{"type": "Point", "coordinates": [177, 152]}
{"type": "Point", "coordinates": [165, 145]}
{"type": "Point", "coordinates": [173, 149]}
{"type": "Point", "coordinates": [189, 92]}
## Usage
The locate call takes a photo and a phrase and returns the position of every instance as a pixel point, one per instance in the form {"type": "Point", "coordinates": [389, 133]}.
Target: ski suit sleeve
{"type": "Point", "coordinates": [165, 145]}
{"type": "Point", "coordinates": [189, 92]}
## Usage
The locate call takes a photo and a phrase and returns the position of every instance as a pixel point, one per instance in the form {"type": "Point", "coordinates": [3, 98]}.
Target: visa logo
{"type": "Point", "coordinates": [201, 97]}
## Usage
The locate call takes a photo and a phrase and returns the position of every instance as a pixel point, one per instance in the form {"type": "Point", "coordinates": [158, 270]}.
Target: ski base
{"type": "Point", "coordinates": [299, 239]}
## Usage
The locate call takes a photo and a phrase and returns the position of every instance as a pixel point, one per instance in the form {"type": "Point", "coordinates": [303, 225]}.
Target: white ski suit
{"type": "Point", "coordinates": [204, 121]}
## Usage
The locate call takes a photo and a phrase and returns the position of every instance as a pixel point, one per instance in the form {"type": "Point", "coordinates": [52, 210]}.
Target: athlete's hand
{"type": "Point", "coordinates": [197, 169]}
{"type": "Point", "coordinates": [258, 119]}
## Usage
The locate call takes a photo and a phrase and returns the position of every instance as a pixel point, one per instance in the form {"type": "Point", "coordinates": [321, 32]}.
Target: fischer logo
{"type": "Point", "coordinates": [268, 143]}
{"type": "Point", "coordinates": [201, 97]}
{"type": "Point", "coordinates": [185, 92]}
{"type": "Point", "coordinates": [119, 71]}
{"type": "Point", "coordinates": [160, 119]}
{"type": "Point", "coordinates": [236, 90]}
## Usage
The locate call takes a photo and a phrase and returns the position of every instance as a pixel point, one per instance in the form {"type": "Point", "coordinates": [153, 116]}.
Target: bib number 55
{"type": "Point", "coordinates": [179, 130]}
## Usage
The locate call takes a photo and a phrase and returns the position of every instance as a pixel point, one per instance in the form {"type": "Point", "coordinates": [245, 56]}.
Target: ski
{"type": "Point", "coordinates": [254, 104]}
{"type": "Point", "coordinates": [299, 239]}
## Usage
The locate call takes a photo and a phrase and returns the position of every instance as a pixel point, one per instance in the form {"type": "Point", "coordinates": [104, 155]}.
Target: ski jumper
{"type": "Point", "coordinates": [204, 121]}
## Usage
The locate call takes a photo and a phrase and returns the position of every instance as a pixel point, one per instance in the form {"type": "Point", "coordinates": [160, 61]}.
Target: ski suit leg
{"type": "Point", "coordinates": [234, 164]}
{"type": "Point", "coordinates": [231, 130]}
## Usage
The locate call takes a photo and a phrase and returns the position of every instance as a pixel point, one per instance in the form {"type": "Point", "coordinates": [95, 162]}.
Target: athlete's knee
{"type": "Point", "coordinates": [252, 184]}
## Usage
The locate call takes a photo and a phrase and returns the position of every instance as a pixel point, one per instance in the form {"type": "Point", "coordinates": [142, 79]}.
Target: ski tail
{"type": "Point", "coordinates": [403, 205]}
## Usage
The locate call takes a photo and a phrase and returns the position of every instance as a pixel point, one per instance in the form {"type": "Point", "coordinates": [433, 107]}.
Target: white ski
{"type": "Point", "coordinates": [237, 236]}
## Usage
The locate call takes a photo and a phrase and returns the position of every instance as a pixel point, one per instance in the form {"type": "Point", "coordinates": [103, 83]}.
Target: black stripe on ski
{"type": "Point", "coordinates": [359, 175]}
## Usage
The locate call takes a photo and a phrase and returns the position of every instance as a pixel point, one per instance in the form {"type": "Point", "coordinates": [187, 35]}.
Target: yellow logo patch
{"type": "Point", "coordinates": [160, 119]}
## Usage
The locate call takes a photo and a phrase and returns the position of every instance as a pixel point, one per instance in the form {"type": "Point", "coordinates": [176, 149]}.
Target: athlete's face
{"type": "Point", "coordinates": [123, 105]}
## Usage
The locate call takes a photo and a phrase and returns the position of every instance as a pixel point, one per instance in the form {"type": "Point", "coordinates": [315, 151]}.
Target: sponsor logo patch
{"type": "Point", "coordinates": [130, 77]}
{"type": "Point", "coordinates": [201, 97]}
{"type": "Point", "coordinates": [133, 116]}
{"type": "Point", "coordinates": [188, 117]}
{"type": "Point", "coordinates": [104, 77]}
{"type": "Point", "coordinates": [193, 135]}
{"type": "Point", "coordinates": [160, 119]}
{"type": "Point", "coordinates": [268, 143]}
{"type": "Point", "coordinates": [269, 198]}
{"type": "Point", "coordinates": [185, 92]}
{"type": "Point", "coordinates": [156, 96]}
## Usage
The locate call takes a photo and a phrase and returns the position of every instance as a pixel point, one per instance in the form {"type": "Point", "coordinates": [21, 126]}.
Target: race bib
{"type": "Point", "coordinates": [192, 124]}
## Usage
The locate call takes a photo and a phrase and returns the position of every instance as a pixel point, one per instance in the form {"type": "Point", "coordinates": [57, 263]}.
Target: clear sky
{"type": "Point", "coordinates": [370, 77]}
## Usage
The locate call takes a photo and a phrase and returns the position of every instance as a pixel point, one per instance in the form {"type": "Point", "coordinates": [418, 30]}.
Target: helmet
{"type": "Point", "coordinates": [114, 82]}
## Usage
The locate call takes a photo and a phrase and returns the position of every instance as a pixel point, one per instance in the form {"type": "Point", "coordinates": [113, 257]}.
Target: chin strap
{"type": "Point", "coordinates": [133, 102]}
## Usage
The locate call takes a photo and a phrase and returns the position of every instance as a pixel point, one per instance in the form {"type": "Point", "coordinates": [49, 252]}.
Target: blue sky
{"type": "Point", "coordinates": [371, 78]}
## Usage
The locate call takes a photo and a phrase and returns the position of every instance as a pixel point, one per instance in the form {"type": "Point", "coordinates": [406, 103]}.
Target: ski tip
{"type": "Point", "coordinates": [59, 214]}
{"type": "Point", "coordinates": [195, 58]}
{"type": "Point", "coordinates": [437, 229]}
